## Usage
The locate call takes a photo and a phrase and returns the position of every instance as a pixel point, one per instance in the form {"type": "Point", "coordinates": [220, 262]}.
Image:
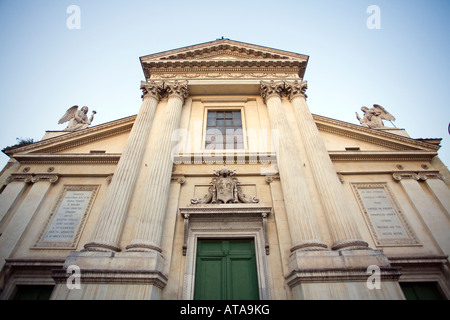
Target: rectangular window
{"type": "Point", "coordinates": [421, 291]}
{"type": "Point", "coordinates": [224, 130]}
{"type": "Point", "coordinates": [31, 292]}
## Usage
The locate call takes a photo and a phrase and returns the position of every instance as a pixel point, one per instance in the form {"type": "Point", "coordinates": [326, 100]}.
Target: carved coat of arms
{"type": "Point", "coordinates": [224, 189]}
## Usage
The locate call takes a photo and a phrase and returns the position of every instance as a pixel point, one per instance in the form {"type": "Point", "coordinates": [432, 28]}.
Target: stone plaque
{"type": "Point", "coordinates": [386, 222]}
{"type": "Point", "coordinates": [66, 221]}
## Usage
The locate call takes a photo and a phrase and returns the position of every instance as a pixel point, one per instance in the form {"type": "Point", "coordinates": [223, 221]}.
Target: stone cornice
{"type": "Point", "coordinates": [374, 136]}
{"type": "Point", "coordinates": [418, 155]}
{"type": "Point", "coordinates": [225, 46]}
{"type": "Point", "coordinates": [340, 275]}
{"type": "Point", "coordinates": [114, 276]}
{"type": "Point", "coordinates": [77, 138]}
{"type": "Point", "coordinates": [224, 56]}
{"type": "Point", "coordinates": [68, 158]}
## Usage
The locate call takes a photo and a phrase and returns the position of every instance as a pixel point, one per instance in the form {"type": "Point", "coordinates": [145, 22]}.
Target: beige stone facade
{"type": "Point", "coordinates": [330, 205]}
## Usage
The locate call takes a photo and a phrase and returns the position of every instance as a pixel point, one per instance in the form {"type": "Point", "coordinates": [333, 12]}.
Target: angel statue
{"type": "Point", "coordinates": [77, 119]}
{"type": "Point", "coordinates": [373, 118]}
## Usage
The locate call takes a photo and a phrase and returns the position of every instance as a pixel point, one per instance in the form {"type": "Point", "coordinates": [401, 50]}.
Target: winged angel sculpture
{"type": "Point", "coordinates": [373, 117]}
{"type": "Point", "coordinates": [77, 119]}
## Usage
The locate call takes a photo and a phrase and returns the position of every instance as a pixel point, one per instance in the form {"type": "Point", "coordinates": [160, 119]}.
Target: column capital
{"type": "Point", "coordinates": [177, 88]}
{"type": "Point", "coordinates": [152, 89]}
{"type": "Point", "coordinates": [417, 175]}
{"type": "Point", "coordinates": [283, 88]}
{"type": "Point", "coordinates": [296, 89]}
{"type": "Point", "coordinates": [20, 177]}
{"type": "Point", "coordinates": [52, 178]}
{"type": "Point", "coordinates": [430, 175]}
{"type": "Point", "coordinates": [179, 178]}
{"type": "Point", "coordinates": [398, 176]}
{"type": "Point", "coordinates": [271, 88]}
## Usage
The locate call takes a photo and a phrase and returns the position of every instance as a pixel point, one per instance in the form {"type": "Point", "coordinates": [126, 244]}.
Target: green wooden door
{"type": "Point", "coordinates": [226, 270]}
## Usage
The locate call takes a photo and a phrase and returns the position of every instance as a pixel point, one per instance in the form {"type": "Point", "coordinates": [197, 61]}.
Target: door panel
{"type": "Point", "coordinates": [226, 269]}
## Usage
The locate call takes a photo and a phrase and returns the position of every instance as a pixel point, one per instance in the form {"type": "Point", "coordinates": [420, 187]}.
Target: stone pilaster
{"type": "Point", "coordinates": [435, 181]}
{"type": "Point", "coordinates": [112, 217]}
{"type": "Point", "coordinates": [25, 212]}
{"type": "Point", "coordinates": [149, 226]}
{"type": "Point", "coordinates": [343, 229]}
{"type": "Point", "coordinates": [300, 213]}
{"type": "Point", "coordinates": [431, 209]}
{"type": "Point", "coordinates": [16, 184]}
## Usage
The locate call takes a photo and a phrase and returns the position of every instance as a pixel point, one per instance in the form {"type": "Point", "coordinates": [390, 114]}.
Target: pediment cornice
{"type": "Point", "coordinates": [75, 139]}
{"type": "Point", "coordinates": [223, 56]}
{"type": "Point", "coordinates": [374, 136]}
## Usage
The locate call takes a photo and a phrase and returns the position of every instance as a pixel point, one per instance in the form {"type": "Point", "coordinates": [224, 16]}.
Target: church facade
{"type": "Point", "coordinates": [224, 186]}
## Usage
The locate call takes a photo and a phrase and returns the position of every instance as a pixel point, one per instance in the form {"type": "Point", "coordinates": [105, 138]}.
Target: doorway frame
{"type": "Point", "coordinates": [216, 225]}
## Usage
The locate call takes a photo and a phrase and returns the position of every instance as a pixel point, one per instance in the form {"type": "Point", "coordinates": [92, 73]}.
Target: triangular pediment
{"type": "Point", "coordinates": [224, 55]}
{"type": "Point", "coordinates": [225, 48]}
{"type": "Point", "coordinates": [347, 141]}
{"type": "Point", "coordinates": [97, 144]}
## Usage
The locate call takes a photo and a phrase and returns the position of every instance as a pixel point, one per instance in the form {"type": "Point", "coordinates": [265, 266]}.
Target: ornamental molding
{"type": "Point", "coordinates": [19, 177]}
{"type": "Point", "coordinates": [417, 175]}
{"type": "Point", "coordinates": [213, 214]}
{"type": "Point", "coordinates": [382, 155]}
{"type": "Point", "coordinates": [52, 178]}
{"type": "Point", "coordinates": [32, 177]}
{"type": "Point", "coordinates": [158, 89]}
{"type": "Point", "coordinates": [235, 74]}
{"type": "Point", "coordinates": [224, 56]}
{"type": "Point", "coordinates": [155, 278]}
{"type": "Point", "coordinates": [340, 275]}
{"type": "Point", "coordinates": [68, 158]}
{"type": "Point", "coordinates": [378, 137]}
{"type": "Point", "coordinates": [224, 47]}
{"type": "Point", "coordinates": [283, 88]}
{"type": "Point", "coordinates": [77, 138]}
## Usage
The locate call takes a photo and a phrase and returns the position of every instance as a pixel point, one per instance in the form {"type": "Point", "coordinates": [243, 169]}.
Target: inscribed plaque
{"type": "Point", "coordinates": [64, 225]}
{"type": "Point", "coordinates": [386, 222]}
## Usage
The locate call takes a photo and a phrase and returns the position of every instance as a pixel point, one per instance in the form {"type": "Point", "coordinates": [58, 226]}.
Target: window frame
{"type": "Point", "coordinates": [205, 128]}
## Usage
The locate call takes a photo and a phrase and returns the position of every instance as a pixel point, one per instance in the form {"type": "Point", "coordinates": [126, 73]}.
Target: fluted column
{"type": "Point", "coordinates": [342, 227]}
{"type": "Point", "coordinates": [112, 217]}
{"type": "Point", "coordinates": [303, 224]}
{"type": "Point", "coordinates": [151, 214]}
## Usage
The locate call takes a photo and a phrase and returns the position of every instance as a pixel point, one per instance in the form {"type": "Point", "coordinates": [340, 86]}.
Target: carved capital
{"type": "Point", "coordinates": [52, 178]}
{"type": "Point", "coordinates": [398, 176]}
{"type": "Point", "coordinates": [296, 89]}
{"type": "Point", "coordinates": [151, 89]}
{"type": "Point", "coordinates": [418, 176]}
{"type": "Point", "coordinates": [270, 179]}
{"type": "Point", "coordinates": [290, 89]}
{"type": "Point", "coordinates": [430, 175]}
{"type": "Point", "coordinates": [272, 88]}
{"type": "Point", "coordinates": [177, 88]}
{"type": "Point", "coordinates": [19, 177]}
{"type": "Point", "coordinates": [179, 178]}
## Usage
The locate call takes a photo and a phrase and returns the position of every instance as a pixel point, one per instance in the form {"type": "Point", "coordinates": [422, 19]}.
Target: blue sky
{"type": "Point", "coordinates": [46, 67]}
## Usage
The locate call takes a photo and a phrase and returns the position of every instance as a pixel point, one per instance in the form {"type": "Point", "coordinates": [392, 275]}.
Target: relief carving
{"type": "Point", "coordinates": [224, 189]}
